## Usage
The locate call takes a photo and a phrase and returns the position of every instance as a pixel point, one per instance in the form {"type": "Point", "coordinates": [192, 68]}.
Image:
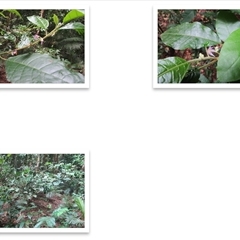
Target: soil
{"type": "Point", "coordinates": [43, 207]}
{"type": "Point", "coordinates": [3, 78]}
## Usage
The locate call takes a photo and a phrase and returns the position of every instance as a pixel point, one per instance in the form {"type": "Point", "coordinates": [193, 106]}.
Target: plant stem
{"type": "Point", "coordinates": [36, 42]}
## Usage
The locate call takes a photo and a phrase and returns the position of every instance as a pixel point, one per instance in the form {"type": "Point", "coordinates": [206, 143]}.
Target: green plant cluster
{"type": "Point", "coordinates": [213, 44]}
{"type": "Point", "coordinates": [43, 46]}
{"type": "Point", "coordinates": [21, 185]}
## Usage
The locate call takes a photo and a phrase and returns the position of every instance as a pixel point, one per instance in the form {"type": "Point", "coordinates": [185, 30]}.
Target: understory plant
{"type": "Point", "coordinates": [216, 45]}
{"type": "Point", "coordinates": [32, 45]}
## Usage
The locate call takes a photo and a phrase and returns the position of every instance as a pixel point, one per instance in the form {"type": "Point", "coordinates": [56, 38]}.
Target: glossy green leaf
{"type": "Point", "coordinates": [25, 41]}
{"type": "Point", "coordinates": [226, 23]}
{"type": "Point", "coordinates": [55, 19]}
{"type": "Point", "coordinates": [72, 15]}
{"type": "Point", "coordinates": [39, 68]}
{"type": "Point", "coordinates": [228, 67]}
{"type": "Point", "coordinates": [172, 70]}
{"type": "Point", "coordinates": [189, 35]}
{"type": "Point", "coordinates": [39, 21]}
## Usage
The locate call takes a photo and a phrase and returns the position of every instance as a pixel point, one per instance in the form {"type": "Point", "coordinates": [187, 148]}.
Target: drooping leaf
{"type": "Point", "coordinates": [39, 68]}
{"type": "Point", "coordinates": [228, 69]}
{"type": "Point", "coordinates": [39, 22]}
{"type": "Point", "coordinates": [172, 70]}
{"type": "Point", "coordinates": [25, 41]}
{"type": "Point", "coordinates": [189, 35]}
{"type": "Point", "coordinates": [55, 19]}
{"type": "Point", "coordinates": [72, 15]}
{"type": "Point", "coordinates": [226, 23]}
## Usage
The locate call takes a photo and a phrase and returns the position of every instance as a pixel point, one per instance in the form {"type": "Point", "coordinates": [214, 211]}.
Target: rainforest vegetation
{"type": "Point", "coordinates": [198, 46]}
{"type": "Point", "coordinates": [42, 190]}
{"type": "Point", "coordinates": [42, 46]}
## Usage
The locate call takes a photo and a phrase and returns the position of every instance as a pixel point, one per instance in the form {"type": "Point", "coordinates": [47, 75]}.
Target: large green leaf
{"type": "Point", "coordinates": [190, 35]}
{"type": "Point", "coordinates": [39, 68]}
{"type": "Point", "coordinates": [39, 21]}
{"type": "Point", "coordinates": [226, 23]}
{"type": "Point", "coordinates": [228, 67]}
{"type": "Point", "coordinates": [72, 15]}
{"type": "Point", "coordinates": [172, 70]}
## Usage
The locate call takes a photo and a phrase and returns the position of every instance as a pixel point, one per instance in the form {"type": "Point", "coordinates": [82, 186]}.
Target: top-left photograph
{"type": "Point", "coordinates": [43, 48]}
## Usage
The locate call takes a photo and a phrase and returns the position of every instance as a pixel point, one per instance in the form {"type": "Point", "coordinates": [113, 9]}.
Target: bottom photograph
{"type": "Point", "coordinates": [44, 191]}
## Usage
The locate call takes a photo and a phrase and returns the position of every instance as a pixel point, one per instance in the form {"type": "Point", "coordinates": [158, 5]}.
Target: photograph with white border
{"type": "Point", "coordinates": [44, 47]}
{"type": "Point", "coordinates": [195, 47]}
{"type": "Point", "coordinates": [44, 193]}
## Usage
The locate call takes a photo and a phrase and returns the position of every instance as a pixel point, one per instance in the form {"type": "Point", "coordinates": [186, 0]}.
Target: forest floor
{"type": "Point", "coordinates": [3, 78]}
{"type": "Point", "coordinates": [41, 206]}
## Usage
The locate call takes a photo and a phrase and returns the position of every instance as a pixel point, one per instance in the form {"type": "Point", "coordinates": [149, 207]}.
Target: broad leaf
{"type": "Point", "coordinates": [190, 35]}
{"type": "Point", "coordinates": [72, 15]}
{"type": "Point", "coordinates": [226, 23]}
{"type": "Point", "coordinates": [228, 67]}
{"type": "Point", "coordinates": [39, 21]}
{"type": "Point", "coordinates": [172, 70]}
{"type": "Point", "coordinates": [39, 68]}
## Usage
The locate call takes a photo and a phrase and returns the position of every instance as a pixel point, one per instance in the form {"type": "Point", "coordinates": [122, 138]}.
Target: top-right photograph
{"type": "Point", "coordinates": [198, 47]}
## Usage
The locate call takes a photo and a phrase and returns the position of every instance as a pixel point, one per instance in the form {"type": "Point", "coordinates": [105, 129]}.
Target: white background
{"type": "Point", "coordinates": [164, 163]}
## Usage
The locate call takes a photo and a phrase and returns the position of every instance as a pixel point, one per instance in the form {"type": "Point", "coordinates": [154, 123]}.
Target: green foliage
{"type": "Point", "coordinates": [46, 221]}
{"type": "Point", "coordinates": [80, 204]}
{"type": "Point", "coordinates": [217, 46]}
{"type": "Point", "coordinates": [189, 35]}
{"type": "Point", "coordinates": [22, 187]}
{"type": "Point", "coordinates": [228, 63]}
{"type": "Point", "coordinates": [58, 212]}
{"type": "Point", "coordinates": [73, 15]}
{"type": "Point", "coordinates": [39, 68]}
{"type": "Point", "coordinates": [172, 69]}
{"type": "Point", "coordinates": [40, 22]}
{"type": "Point", "coordinates": [226, 23]}
{"type": "Point", "coordinates": [33, 39]}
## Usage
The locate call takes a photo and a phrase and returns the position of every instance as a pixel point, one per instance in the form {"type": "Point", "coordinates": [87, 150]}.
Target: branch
{"type": "Point", "coordinates": [36, 42]}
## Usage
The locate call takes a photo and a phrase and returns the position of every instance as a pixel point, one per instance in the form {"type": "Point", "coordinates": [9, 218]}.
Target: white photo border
{"type": "Point", "coordinates": [48, 5]}
{"type": "Point", "coordinates": [175, 5]}
{"type": "Point", "coordinates": [87, 204]}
